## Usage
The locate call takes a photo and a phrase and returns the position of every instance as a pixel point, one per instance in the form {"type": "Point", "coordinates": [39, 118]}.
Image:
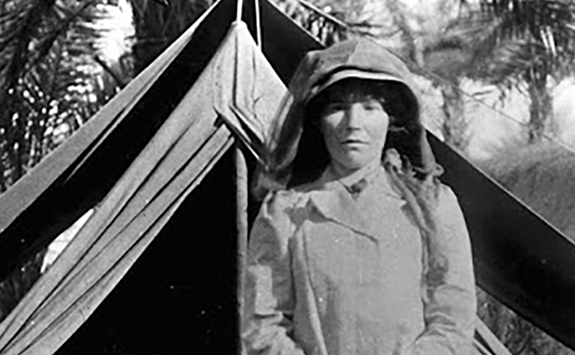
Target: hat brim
{"type": "Point", "coordinates": [355, 74]}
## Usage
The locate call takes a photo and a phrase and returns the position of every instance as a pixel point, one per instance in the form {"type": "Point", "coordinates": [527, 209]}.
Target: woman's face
{"type": "Point", "coordinates": [354, 126]}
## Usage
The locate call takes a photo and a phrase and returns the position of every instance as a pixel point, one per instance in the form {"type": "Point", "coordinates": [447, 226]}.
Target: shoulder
{"type": "Point", "coordinates": [275, 223]}
{"type": "Point", "coordinates": [278, 206]}
{"type": "Point", "coordinates": [290, 199]}
{"type": "Point", "coordinates": [446, 195]}
{"type": "Point", "coordinates": [281, 201]}
{"type": "Point", "coordinates": [449, 209]}
{"type": "Point", "coordinates": [291, 206]}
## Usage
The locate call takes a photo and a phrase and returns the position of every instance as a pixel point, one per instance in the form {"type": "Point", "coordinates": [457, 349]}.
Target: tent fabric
{"type": "Point", "coordinates": [128, 219]}
{"type": "Point", "coordinates": [518, 257]}
{"type": "Point", "coordinates": [486, 342]}
{"type": "Point", "coordinates": [250, 103]}
{"type": "Point", "coordinates": [29, 218]}
{"type": "Point", "coordinates": [78, 146]}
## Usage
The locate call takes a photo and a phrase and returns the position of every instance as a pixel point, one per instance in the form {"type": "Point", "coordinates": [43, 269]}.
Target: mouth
{"type": "Point", "coordinates": [353, 141]}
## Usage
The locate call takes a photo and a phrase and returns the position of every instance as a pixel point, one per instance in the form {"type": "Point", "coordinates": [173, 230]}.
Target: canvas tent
{"type": "Point", "coordinates": [156, 165]}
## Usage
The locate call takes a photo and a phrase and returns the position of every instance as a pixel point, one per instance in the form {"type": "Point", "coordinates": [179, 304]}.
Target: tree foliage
{"type": "Point", "coordinates": [50, 79]}
{"type": "Point", "coordinates": [159, 22]}
{"type": "Point", "coordinates": [518, 335]}
{"type": "Point", "coordinates": [516, 42]}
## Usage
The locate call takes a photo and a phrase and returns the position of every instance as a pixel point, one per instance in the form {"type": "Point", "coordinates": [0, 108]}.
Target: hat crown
{"type": "Point", "coordinates": [359, 58]}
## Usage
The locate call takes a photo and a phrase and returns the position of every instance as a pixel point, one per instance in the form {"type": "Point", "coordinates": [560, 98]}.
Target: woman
{"type": "Point", "coordinates": [364, 251]}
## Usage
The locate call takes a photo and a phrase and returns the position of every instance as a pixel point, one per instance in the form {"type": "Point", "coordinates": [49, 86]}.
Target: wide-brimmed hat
{"type": "Point", "coordinates": [359, 59]}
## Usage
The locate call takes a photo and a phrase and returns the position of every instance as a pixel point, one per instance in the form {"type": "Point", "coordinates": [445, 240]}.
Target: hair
{"type": "Point", "coordinates": [404, 131]}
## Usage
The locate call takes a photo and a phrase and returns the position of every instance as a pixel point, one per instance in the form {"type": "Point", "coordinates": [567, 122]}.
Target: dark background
{"type": "Point", "coordinates": [180, 295]}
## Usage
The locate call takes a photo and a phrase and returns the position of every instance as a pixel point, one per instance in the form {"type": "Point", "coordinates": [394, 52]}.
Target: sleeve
{"type": "Point", "coordinates": [449, 285]}
{"type": "Point", "coordinates": [269, 298]}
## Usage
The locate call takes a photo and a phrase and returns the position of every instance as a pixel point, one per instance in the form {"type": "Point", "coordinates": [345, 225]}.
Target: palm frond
{"type": "Point", "coordinates": [47, 55]}
{"type": "Point", "coordinates": [157, 26]}
{"type": "Point", "coordinates": [539, 29]}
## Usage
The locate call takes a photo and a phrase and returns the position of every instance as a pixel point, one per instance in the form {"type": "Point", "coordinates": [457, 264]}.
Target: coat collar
{"type": "Point", "coordinates": [334, 202]}
{"type": "Point", "coordinates": [338, 206]}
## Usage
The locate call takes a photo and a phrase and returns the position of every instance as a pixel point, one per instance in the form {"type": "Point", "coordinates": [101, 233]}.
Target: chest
{"type": "Point", "coordinates": [382, 252]}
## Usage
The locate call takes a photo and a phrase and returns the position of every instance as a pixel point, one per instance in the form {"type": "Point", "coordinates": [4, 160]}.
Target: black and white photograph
{"type": "Point", "coordinates": [287, 177]}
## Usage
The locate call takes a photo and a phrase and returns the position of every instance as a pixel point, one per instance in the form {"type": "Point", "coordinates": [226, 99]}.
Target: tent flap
{"type": "Point", "coordinates": [123, 225]}
{"type": "Point", "coordinates": [104, 147]}
{"type": "Point", "coordinates": [249, 105]}
{"type": "Point", "coordinates": [518, 257]}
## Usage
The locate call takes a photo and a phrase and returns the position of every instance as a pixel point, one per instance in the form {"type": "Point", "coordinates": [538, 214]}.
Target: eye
{"type": "Point", "coordinates": [372, 105]}
{"type": "Point", "coordinates": [334, 107]}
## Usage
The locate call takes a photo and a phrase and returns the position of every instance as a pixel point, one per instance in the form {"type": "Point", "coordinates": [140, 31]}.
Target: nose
{"type": "Point", "coordinates": [354, 115]}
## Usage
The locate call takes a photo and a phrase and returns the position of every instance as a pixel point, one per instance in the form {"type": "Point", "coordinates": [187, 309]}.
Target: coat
{"type": "Point", "coordinates": [330, 275]}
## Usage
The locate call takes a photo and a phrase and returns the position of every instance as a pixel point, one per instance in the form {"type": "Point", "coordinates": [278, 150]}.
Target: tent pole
{"type": "Point", "coordinates": [242, 227]}
{"type": "Point", "coordinates": [239, 9]}
{"type": "Point", "coordinates": [258, 24]}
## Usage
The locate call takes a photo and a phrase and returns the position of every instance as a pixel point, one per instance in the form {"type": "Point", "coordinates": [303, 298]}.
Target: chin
{"type": "Point", "coordinates": [357, 162]}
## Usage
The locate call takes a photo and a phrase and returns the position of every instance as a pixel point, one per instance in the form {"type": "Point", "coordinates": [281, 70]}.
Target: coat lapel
{"type": "Point", "coordinates": [338, 206]}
